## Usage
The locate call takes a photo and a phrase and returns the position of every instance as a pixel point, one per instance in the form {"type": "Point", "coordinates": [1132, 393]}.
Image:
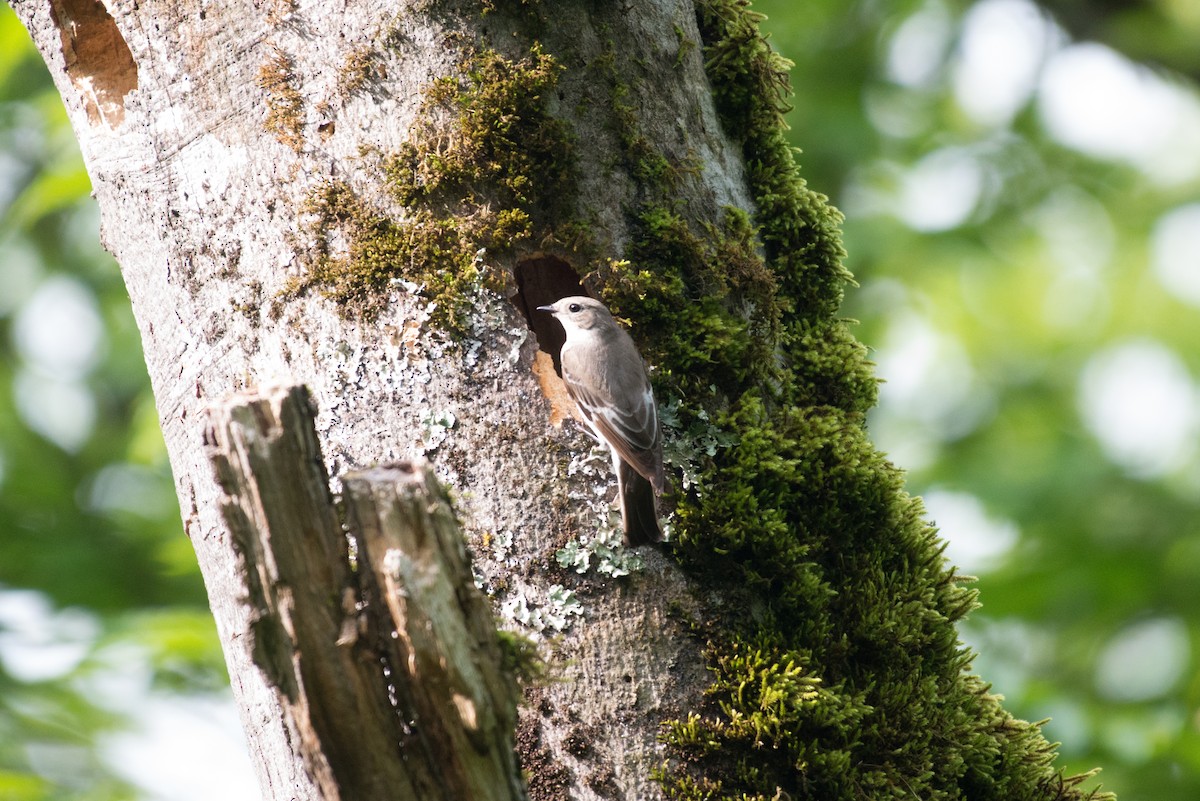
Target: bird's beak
{"type": "Point", "coordinates": [546, 309]}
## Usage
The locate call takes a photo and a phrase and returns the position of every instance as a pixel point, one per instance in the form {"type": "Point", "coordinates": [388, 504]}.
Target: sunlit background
{"type": "Point", "coordinates": [1022, 194]}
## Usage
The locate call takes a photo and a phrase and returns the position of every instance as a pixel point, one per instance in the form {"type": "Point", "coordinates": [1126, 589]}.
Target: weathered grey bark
{"type": "Point", "coordinates": [202, 206]}
{"type": "Point", "coordinates": [388, 676]}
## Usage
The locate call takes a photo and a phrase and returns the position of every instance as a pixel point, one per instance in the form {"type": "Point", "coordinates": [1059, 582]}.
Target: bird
{"type": "Point", "coordinates": [607, 378]}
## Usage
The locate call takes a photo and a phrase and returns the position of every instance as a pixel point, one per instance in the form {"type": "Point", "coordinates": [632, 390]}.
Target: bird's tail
{"type": "Point", "coordinates": [639, 513]}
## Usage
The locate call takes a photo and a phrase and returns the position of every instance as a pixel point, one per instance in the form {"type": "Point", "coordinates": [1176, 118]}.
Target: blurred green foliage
{"type": "Point", "coordinates": [989, 319]}
{"type": "Point", "coordinates": [100, 596]}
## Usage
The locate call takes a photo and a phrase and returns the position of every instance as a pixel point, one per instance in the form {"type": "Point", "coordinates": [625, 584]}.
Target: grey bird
{"type": "Point", "coordinates": [607, 378]}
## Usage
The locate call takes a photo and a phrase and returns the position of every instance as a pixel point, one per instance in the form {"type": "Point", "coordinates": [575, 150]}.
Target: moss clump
{"type": "Point", "coordinates": [799, 230]}
{"type": "Point", "coordinates": [520, 658]}
{"type": "Point", "coordinates": [506, 149]}
{"type": "Point", "coordinates": [708, 299]}
{"type": "Point", "coordinates": [646, 163]}
{"type": "Point", "coordinates": [357, 71]}
{"type": "Point", "coordinates": [285, 106]}
{"type": "Point", "coordinates": [485, 161]}
{"type": "Point", "coordinates": [801, 725]}
{"type": "Point", "coordinates": [434, 253]}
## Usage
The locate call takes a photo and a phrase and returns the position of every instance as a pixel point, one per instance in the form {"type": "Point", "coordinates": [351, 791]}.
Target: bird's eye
{"type": "Point", "coordinates": [574, 307]}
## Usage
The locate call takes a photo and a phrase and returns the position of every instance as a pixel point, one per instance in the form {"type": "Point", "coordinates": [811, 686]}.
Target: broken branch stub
{"type": "Point", "coordinates": [440, 636]}
{"type": "Point", "coordinates": [374, 708]}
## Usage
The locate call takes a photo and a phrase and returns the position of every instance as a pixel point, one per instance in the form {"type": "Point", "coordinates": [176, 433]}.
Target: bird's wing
{"type": "Point", "coordinates": [629, 426]}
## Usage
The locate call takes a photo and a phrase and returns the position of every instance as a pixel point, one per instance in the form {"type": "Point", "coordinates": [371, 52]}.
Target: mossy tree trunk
{"type": "Point", "coordinates": [369, 200]}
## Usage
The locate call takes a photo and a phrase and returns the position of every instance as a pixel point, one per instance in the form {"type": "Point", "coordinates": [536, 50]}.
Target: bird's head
{"type": "Point", "coordinates": [578, 312]}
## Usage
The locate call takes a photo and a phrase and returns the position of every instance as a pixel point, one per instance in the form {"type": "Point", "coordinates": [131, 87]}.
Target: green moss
{"type": "Point", "coordinates": [774, 720]}
{"type": "Point", "coordinates": [520, 658]}
{"type": "Point", "coordinates": [686, 47]}
{"type": "Point", "coordinates": [800, 230]}
{"type": "Point", "coordinates": [484, 161]}
{"type": "Point", "coordinates": [436, 254]}
{"type": "Point", "coordinates": [506, 148]}
{"type": "Point", "coordinates": [646, 164]}
{"type": "Point", "coordinates": [706, 295]}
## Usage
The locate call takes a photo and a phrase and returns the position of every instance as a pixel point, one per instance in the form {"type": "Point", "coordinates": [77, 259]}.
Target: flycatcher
{"type": "Point", "coordinates": [607, 378]}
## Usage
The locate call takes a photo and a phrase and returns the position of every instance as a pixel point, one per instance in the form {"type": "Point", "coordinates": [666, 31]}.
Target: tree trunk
{"type": "Point", "coordinates": [371, 201]}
